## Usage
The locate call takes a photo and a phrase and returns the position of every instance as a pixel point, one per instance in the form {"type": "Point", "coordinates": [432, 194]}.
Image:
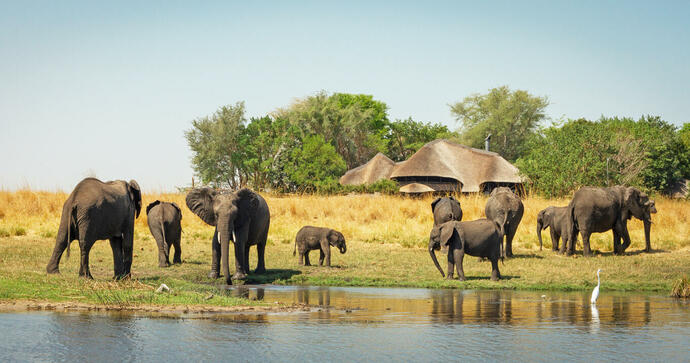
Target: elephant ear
{"type": "Point", "coordinates": [135, 195]}
{"type": "Point", "coordinates": [334, 236]}
{"type": "Point", "coordinates": [151, 205]}
{"type": "Point", "coordinates": [433, 204]}
{"type": "Point", "coordinates": [630, 202]}
{"type": "Point", "coordinates": [200, 202]}
{"type": "Point", "coordinates": [247, 205]}
{"type": "Point", "coordinates": [447, 232]}
{"type": "Point", "coordinates": [178, 208]}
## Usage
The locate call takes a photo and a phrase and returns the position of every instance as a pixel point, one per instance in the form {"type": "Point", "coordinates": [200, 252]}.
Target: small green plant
{"type": "Point", "coordinates": [19, 231]}
{"type": "Point", "coordinates": [681, 288]}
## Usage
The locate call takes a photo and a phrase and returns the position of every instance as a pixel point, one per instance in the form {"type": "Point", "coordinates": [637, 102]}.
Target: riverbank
{"type": "Point", "coordinates": [386, 239]}
{"type": "Point", "coordinates": [23, 277]}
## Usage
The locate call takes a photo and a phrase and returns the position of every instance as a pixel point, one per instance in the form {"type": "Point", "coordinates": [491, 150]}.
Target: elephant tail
{"type": "Point", "coordinates": [165, 243]}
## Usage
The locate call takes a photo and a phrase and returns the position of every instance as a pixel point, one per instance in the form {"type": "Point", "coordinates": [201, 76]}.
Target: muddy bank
{"type": "Point", "coordinates": [198, 310]}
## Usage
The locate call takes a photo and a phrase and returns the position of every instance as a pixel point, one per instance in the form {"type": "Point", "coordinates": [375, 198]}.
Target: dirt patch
{"type": "Point", "coordinates": [198, 310]}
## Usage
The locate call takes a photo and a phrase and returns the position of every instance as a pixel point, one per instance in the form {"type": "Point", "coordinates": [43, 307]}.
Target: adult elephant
{"type": "Point", "coordinates": [446, 209]}
{"type": "Point", "coordinates": [506, 209]}
{"type": "Point", "coordinates": [481, 238]}
{"type": "Point", "coordinates": [242, 214]}
{"type": "Point", "coordinates": [97, 210]}
{"type": "Point", "coordinates": [557, 219]}
{"type": "Point", "coordinates": [595, 210]}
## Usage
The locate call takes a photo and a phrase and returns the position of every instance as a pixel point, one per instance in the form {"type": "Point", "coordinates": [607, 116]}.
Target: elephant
{"type": "Point", "coordinates": [506, 209]}
{"type": "Point", "coordinates": [446, 209]}
{"type": "Point", "coordinates": [164, 223]}
{"type": "Point", "coordinates": [243, 214]}
{"type": "Point", "coordinates": [481, 238]}
{"type": "Point", "coordinates": [97, 210]}
{"type": "Point", "coordinates": [318, 238]}
{"type": "Point", "coordinates": [595, 210]}
{"type": "Point", "coordinates": [555, 218]}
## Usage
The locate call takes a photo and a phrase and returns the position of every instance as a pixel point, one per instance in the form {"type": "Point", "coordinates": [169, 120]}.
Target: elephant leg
{"type": "Point", "coordinates": [58, 250]}
{"type": "Point", "coordinates": [116, 246]}
{"type": "Point", "coordinates": [301, 257]}
{"type": "Point", "coordinates": [245, 268]}
{"type": "Point", "coordinates": [215, 258]}
{"type": "Point", "coordinates": [177, 257]}
{"type": "Point", "coordinates": [495, 273]}
{"type": "Point", "coordinates": [459, 255]}
{"type": "Point", "coordinates": [85, 248]}
{"type": "Point", "coordinates": [306, 258]}
{"type": "Point", "coordinates": [585, 245]}
{"type": "Point", "coordinates": [321, 256]}
{"type": "Point", "coordinates": [239, 263]}
{"type": "Point", "coordinates": [163, 248]}
{"type": "Point", "coordinates": [260, 264]}
{"type": "Point", "coordinates": [127, 252]}
{"type": "Point", "coordinates": [241, 249]}
{"type": "Point", "coordinates": [616, 241]}
{"type": "Point", "coordinates": [451, 264]}
{"type": "Point", "coordinates": [626, 237]}
{"type": "Point", "coordinates": [509, 243]}
{"type": "Point", "coordinates": [564, 246]}
{"type": "Point", "coordinates": [554, 239]}
{"type": "Point", "coordinates": [328, 256]}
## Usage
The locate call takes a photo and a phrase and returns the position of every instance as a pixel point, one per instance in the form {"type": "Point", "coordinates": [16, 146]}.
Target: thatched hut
{"type": "Point", "coordinates": [441, 166]}
{"type": "Point", "coordinates": [379, 167]}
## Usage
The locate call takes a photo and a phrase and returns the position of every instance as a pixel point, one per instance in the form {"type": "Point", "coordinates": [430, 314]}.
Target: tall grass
{"type": "Point", "coordinates": [365, 218]}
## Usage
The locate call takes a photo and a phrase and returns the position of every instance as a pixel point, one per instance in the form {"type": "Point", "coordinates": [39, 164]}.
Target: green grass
{"type": "Point", "coordinates": [23, 260]}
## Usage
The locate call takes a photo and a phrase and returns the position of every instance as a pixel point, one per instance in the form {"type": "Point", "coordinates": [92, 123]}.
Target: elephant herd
{"type": "Point", "coordinates": [97, 210]}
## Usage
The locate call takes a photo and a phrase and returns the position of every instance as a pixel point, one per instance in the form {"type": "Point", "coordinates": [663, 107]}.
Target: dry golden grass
{"type": "Point", "coordinates": [375, 228]}
{"type": "Point", "coordinates": [363, 218]}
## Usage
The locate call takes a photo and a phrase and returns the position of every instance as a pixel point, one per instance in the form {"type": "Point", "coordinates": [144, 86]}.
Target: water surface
{"type": "Point", "coordinates": [365, 324]}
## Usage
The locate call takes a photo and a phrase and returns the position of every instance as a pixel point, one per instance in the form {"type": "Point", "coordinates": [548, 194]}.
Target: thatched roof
{"type": "Point", "coordinates": [472, 167]}
{"type": "Point", "coordinates": [379, 167]}
{"type": "Point", "coordinates": [439, 158]}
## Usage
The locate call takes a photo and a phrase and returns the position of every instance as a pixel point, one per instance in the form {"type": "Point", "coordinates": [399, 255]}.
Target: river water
{"type": "Point", "coordinates": [370, 324]}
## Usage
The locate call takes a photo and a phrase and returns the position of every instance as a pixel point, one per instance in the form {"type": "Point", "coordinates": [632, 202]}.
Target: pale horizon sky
{"type": "Point", "coordinates": [108, 88]}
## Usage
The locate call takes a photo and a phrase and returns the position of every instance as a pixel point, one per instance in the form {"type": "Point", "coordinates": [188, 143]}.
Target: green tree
{"type": "Point", "coordinates": [218, 157]}
{"type": "Point", "coordinates": [562, 159]}
{"type": "Point", "coordinates": [314, 165]}
{"type": "Point", "coordinates": [406, 137]}
{"type": "Point", "coordinates": [267, 143]}
{"type": "Point", "coordinates": [354, 124]}
{"type": "Point", "coordinates": [511, 117]}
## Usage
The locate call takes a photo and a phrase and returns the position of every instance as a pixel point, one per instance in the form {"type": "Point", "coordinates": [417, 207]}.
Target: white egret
{"type": "Point", "coordinates": [595, 292]}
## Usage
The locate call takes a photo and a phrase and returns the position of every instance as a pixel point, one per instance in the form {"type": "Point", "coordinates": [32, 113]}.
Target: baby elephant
{"type": "Point", "coordinates": [164, 223]}
{"type": "Point", "coordinates": [317, 238]}
{"type": "Point", "coordinates": [481, 238]}
{"type": "Point", "coordinates": [557, 218]}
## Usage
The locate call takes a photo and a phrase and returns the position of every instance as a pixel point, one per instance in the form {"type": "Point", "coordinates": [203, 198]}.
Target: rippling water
{"type": "Point", "coordinates": [365, 324]}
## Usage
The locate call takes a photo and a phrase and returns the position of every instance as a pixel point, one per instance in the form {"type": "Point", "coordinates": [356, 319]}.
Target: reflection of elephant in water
{"type": "Point", "coordinates": [506, 209]}
{"type": "Point", "coordinates": [481, 238]}
{"type": "Point", "coordinates": [602, 209]}
{"type": "Point", "coordinates": [555, 218]}
{"type": "Point", "coordinates": [96, 210]}
{"type": "Point", "coordinates": [243, 214]}
{"type": "Point", "coordinates": [318, 238]}
{"type": "Point", "coordinates": [164, 223]}
{"type": "Point", "coordinates": [446, 209]}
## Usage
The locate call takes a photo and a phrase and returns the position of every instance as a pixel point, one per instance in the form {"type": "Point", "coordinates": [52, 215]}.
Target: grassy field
{"type": "Point", "coordinates": [386, 236]}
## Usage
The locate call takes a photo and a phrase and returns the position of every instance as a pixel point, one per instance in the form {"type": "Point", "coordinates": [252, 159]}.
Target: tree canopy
{"type": "Point", "coordinates": [511, 117]}
{"type": "Point", "coordinates": [305, 146]}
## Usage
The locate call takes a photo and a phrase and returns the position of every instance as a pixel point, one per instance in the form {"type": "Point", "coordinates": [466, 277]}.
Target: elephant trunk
{"type": "Point", "coordinates": [539, 229]}
{"type": "Point", "coordinates": [224, 239]}
{"type": "Point", "coordinates": [647, 232]}
{"type": "Point", "coordinates": [432, 253]}
{"type": "Point", "coordinates": [342, 248]}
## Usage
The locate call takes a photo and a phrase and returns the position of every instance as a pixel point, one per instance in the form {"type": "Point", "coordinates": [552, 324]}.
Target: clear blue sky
{"type": "Point", "coordinates": [108, 88]}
